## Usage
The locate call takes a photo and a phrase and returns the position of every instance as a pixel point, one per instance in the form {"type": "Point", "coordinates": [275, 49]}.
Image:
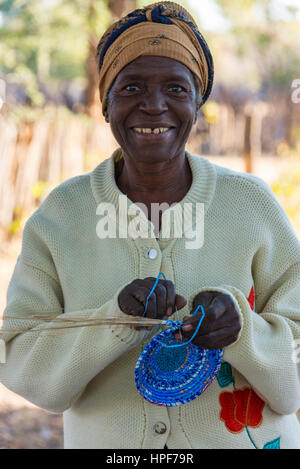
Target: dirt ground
{"type": "Point", "coordinates": [22, 424]}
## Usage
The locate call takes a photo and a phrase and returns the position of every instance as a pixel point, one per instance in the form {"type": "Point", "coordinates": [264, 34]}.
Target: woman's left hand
{"type": "Point", "coordinates": [220, 326]}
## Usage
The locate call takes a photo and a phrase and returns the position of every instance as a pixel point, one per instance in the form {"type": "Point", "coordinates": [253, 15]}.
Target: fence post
{"type": "Point", "coordinates": [247, 143]}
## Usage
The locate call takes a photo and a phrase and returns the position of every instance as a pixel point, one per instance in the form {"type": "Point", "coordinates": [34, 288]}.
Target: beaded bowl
{"type": "Point", "coordinates": [172, 376]}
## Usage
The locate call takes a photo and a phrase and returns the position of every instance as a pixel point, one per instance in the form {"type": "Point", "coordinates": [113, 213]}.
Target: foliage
{"type": "Point", "coordinates": [260, 38]}
{"type": "Point", "coordinates": [287, 190]}
{"type": "Point", "coordinates": [211, 111]}
{"type": "Point", "coordinates": [46, 41]}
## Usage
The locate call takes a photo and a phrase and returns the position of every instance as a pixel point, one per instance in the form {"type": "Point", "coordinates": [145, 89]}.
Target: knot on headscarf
{"type": "Point", "coordinates": [163, 29]}
{"type": "Point", "coordinates": [155, 14]}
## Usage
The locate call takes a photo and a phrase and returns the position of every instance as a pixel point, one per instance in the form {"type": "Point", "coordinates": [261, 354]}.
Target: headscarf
{"type": "Point", "coordinates": [163, 29]}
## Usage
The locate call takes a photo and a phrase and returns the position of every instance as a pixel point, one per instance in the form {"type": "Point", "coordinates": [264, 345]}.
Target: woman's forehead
{"type": "Point", "coordinates": [165, 67]}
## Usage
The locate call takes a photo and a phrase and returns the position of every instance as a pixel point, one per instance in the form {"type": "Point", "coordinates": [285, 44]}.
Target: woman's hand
{"type": "Point", "coordinates": [162, 303]}
{"type": "Point", "coordinates": [220, 326]}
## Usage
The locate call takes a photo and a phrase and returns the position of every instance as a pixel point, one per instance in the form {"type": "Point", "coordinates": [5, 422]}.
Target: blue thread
{"type": "Point", "coordinates": [193, 336]}
{"type": "Point", "coordinates": [169, 360]}
{"type": "Point", "coordinates": [168, 377]}
{"type": "Point", "coordinates": [169, 322]}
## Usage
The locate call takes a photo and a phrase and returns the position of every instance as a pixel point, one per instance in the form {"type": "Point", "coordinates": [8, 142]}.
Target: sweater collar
{"type": "Point", "coordinates": [105, 189]}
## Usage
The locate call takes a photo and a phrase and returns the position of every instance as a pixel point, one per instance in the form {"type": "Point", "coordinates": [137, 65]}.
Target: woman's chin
{"type": "Point", "coordinates": [151, 157]}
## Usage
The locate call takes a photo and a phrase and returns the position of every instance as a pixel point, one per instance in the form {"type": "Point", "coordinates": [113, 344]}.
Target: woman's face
{"type": "Point", "coordinates": [152, 92]}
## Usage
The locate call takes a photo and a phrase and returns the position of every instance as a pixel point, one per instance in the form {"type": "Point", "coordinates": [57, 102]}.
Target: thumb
{"type": "Point", "coordinates": [180, 301]}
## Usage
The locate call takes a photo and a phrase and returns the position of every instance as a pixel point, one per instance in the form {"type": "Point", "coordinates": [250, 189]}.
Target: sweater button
{"type": "Point", "coordinates": [160, 428]}
{"type": "Point", "coordinates": [152, 253]}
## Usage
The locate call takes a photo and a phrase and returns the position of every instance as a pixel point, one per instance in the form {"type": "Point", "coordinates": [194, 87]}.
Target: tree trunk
{"type": "Point", "coordinates": [121, 8]}
{"type": "Point", "coordinates": [92, 94]}
{"type": "Point", "coordinates": [93, 106]}
{"type": "Point", "coordinates": [118, 8]}
{"type": "Point", "coordinates": [247, 143]}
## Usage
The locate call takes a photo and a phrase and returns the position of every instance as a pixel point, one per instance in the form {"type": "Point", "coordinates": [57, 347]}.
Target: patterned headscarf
{"type": "Point", "coordinates": [163, 29]}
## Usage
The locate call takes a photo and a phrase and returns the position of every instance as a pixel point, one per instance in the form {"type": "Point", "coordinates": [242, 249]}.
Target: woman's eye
{"type": "Point", "coordinates": [176, 86]}
{"type": "Point", "coordinates": [131, 85]}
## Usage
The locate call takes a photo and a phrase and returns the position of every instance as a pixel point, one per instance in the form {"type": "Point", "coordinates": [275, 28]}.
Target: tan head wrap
{"type": "Point", "coordinates": [179, 40]}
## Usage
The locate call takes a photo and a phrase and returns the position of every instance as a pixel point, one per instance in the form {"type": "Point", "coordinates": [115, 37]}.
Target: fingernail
{"type": "Point", "coordinates": [169, 311]}
{"type": "Point", "coordinates": [188, 327]}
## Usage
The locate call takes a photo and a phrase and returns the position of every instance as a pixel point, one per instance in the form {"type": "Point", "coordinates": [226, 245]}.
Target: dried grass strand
{"type": "Point", "coordinates": [114, 320]}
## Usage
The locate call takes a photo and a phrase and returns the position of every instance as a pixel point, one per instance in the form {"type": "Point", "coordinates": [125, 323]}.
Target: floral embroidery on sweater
{"type": "Point", "coordinates": [251, 298]}
{"type": "Point", "coordinates": [241, 408]}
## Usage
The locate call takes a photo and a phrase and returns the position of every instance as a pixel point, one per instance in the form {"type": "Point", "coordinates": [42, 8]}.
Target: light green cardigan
{"type": "Point", "coordinates": [88, 372]}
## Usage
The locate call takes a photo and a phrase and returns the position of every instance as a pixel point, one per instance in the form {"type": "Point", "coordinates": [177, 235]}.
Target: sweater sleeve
{"type": "Point", "coordinates": [47, 368]}
{"type": "Point", "coordinates": [264, 352]}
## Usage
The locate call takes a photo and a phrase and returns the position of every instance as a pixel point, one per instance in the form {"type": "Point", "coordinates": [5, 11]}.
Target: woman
{"type": "Point", "coordinates": [155, 70]}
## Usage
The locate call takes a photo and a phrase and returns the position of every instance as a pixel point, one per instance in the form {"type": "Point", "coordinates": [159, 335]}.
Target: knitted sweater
{"type": "Point", "coordinates": [250, 251]}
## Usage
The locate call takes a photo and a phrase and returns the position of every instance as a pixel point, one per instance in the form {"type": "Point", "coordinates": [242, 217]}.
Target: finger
{"type": "Point", "coordinates": [171, 294]}
{"type": "Point", "coordinates": [208, 322]}
{"type": "Point", "coordinates": [228, 319]}
{"type": "Point", "coordinates": [147, 282]}
{"type": "Point", "coordinates": [204, 298]}
{"type": "Point", "coordinates": [150, 282]}
{"type": "Point", "coordinates": [141, 294]}
{"type": "Point", "coordinates": [220, 313]}
{"type": "Point", "coordinates": [149, 302]}
{"type": "Point", "coordinates": [170, 289]}
{"type": "Point", "coordinates": [151, 309]}
{"type": "Point", "coordinates": [215, 339]}
{"type": "Point", "coordinates": [191, 324]}
{"type": "Point", "coordinates": [216, 309]}
{"type": "Point", "coordinates": [180, 301]}
{"type": "Point", "coordinates": [195, 317]}
{"type": "Point", "coordinates": [131, 306]}
{"type": "Point", "coordinates": [161, 300]}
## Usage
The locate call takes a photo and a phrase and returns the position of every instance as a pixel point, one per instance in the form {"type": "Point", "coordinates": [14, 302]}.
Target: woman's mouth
{"type": "Point", "coordinates": [153, 134]}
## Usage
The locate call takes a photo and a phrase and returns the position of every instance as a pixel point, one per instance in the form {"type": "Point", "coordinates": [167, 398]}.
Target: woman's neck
{"type": "Point", "coordinates": [168, 182]}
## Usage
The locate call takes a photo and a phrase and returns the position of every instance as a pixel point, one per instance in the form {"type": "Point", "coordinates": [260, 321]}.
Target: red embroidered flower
{"type": "Point", "coordinates": [251, 298]}
{"type": "Point", "coordinates": [241, 408]}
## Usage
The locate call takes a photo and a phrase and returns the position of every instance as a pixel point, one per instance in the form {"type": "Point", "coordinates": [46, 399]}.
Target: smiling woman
{"type": "Point", "coordinates": [155, 73]}
{"type": "Point", "coordinates": [198, 98]}
{"type": "Point", "coordinates": [139, 109]}
{"type": "Point", "coordinates": [155, 67]}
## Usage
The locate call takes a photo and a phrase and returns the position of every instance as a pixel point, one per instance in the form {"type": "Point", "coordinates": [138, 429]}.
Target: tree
{"type": "Point", "coordinates": [45, 44]}
{"type": "Point", "coordinates": [117, 9]}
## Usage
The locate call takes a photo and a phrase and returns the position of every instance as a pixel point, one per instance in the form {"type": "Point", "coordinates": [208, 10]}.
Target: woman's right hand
{"type": "Point", "coordinates": [161, 304]}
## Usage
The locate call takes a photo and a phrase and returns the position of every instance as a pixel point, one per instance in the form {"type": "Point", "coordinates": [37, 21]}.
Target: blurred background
{"type": "Point", "coordinates": [52, 128]}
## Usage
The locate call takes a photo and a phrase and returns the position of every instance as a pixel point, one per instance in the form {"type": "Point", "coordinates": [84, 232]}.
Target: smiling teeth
{"type": "Point", "coordinates": [150, 131]}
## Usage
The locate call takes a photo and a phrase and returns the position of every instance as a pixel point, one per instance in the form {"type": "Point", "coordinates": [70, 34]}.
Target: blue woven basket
{"type": "Point", "coordinates": [174, 376]}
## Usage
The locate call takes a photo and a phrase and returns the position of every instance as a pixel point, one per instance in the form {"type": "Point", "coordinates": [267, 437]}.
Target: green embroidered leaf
{"type": "Point", "coordinates": [224, 376]}
{"type": "Point", "coordinates": [274, 444]}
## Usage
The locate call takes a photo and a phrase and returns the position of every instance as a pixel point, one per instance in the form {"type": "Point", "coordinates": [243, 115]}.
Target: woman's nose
{"type": "Point", "coordinates": [153, 100]}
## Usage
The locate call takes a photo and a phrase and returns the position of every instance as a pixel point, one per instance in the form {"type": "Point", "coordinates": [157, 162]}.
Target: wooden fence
{"type": "Point", "coordinates": [37, 155]}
